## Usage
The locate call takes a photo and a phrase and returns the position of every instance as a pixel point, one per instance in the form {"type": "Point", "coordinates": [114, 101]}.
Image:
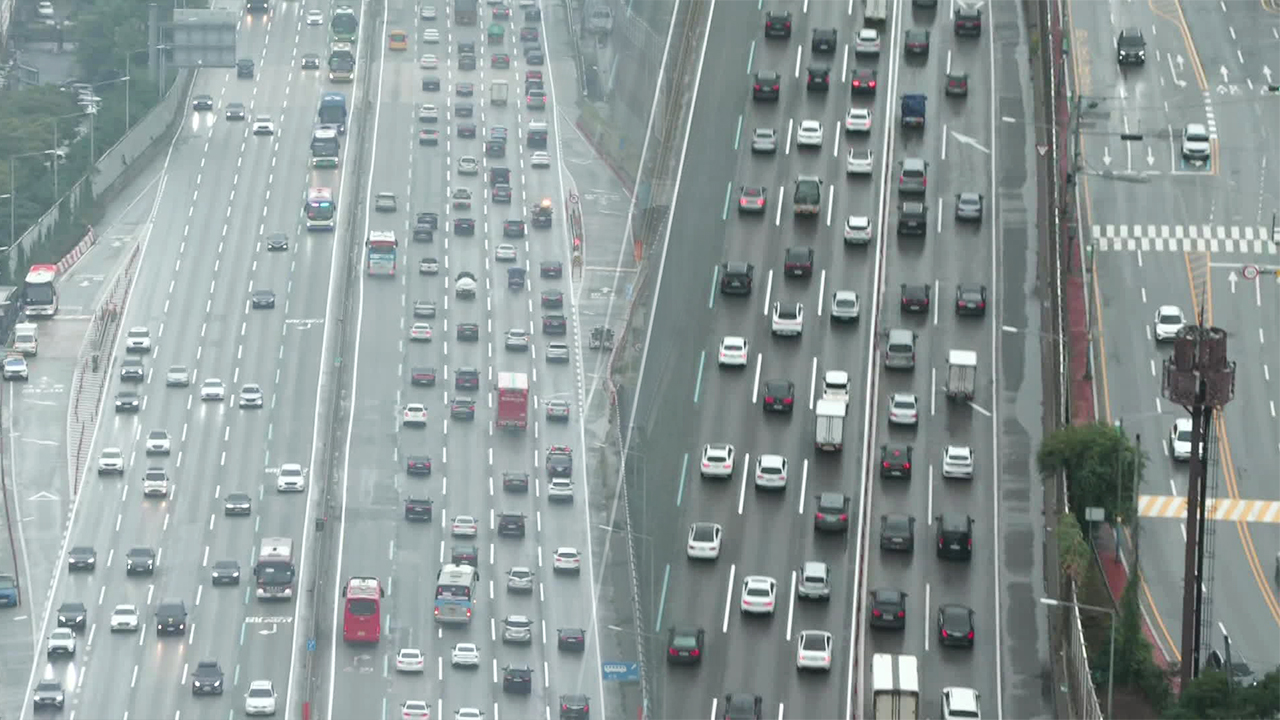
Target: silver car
{"type": "Point", "coordinates": [520, 579]}
{"type": "Point", "coordinates": [517, 340]}
{"type": "Point", "coordinates": [969, 206]}
{"type": "Point", "coordinates": [764, 140]}
{"type": "Point", "coordinates": [506, 252]}
{"type": "Point", "coordinates": [1195, 142]}
{"type": "Point", "coordinates": [177, 376]}
{"type": "Point", "coordinates": [557, 352]}
{"type": "Point", "coordinates": [468, 165]}
{"type": "Point", "coordinates": [815, 581]}
{"type": "Point", "coordinates": [517, 629]}
{"type": "Point", "coordinates": [385, 202]}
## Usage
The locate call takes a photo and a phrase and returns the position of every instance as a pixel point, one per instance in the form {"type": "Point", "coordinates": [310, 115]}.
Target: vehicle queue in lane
{"type": "Point", "coordinates": [178, 539]}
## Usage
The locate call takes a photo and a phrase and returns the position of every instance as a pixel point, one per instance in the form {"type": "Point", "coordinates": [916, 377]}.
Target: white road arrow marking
{"type": "Point", "coordinates": [971, 142]}
{"type": "Point", "coordinates": [43, 495]}
{"type": "Point", "coordinates": [1176, 80]}
{"type": "Point", "coordinates": [268, 631]}
{"type": "Point", "coordinates": [1106, 156]}
{"type": "Point", "coordinates": [1233, 279]}
{"type": "Point", "coordinates": [1222, 69]}
{"type": "Point", "coordinates": [1151, 158]}
{"type": "Point", "coordinates": [1181, 62]}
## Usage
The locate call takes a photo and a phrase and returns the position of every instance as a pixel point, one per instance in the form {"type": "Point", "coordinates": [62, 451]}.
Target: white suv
{"type": "Point", "coordinates": [111, 461]}
{"type": "Point", "coordinates": [787, 319]}
{"type": "Point", "coordinates": [560, 490]}
{"type": "Point", "coordinates": [138, 340]}
{"type": "Point", "coordinates": [290, 479]}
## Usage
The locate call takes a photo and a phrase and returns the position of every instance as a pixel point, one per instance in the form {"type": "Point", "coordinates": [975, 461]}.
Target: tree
{"type": "Point", "coordinates": [1101, 466]}
{"type": "Point", "coordinates": [1213, 696]}
{"type": "Point", "coordinates": [1073, 552]}
{"type": "Point", "coordinates": [105, 32]}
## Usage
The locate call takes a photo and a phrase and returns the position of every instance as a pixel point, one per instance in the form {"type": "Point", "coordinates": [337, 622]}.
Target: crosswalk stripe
{"type": "Point", "coordinates": [1229, 239]}
{"type": "Point", "coordinates": [1229, 509]}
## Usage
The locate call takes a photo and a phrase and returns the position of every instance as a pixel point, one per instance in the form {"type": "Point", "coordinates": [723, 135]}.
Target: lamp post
{"type": "Point", "coordinates": [1111, 656]}
{"type": "Point", "coordinates": [91, 109]}
{"type": "Point", "coordinates": [13, 191]}
{"type": "Point", "coordinates": [9, 196]}
{"type": "Point", "coordinates": [128, 59]}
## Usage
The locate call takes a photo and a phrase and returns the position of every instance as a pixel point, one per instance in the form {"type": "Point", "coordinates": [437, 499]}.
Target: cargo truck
{"type": "Point", "coordinates": [895, 687]}
{"type": "Point", "coordinates": [464, 12]}
{"type": "Point", "coordinates": [808, 195]}
{"type": "Point", "coordinates": [513, 400]}
{"type": "Point", "coordinates": [876, 10]}
{"type": "Point", "coordinates": [829, 435]}
{"type": "Point", "coordinates": [962, 374]}
{"type": "Point", "coordinates": [498, 90]}
{"type": "Point", "coordinates": [24, 338]}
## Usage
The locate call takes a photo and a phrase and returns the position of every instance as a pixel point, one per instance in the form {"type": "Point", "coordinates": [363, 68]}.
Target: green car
{"type": "Point", "coordinates": [496, 31]}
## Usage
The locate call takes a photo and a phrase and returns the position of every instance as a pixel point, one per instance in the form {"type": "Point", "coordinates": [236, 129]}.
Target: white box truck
{"type": "Point", "coordinates": [829, 435]}
{"type": "Point", "coordinates": [962, 374]}
{"type": "Point", "coordinates": [498, 91]}
{"type": "Point", "coordinates": [876, 11]}
{"type": "Point", "coordinates": [25, 339]}
{"type": "Point", "coordinates": [895, 687]}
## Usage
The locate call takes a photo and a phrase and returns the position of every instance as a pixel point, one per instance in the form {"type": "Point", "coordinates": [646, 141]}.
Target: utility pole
{"type": "Point", "coordinates": [1200, 378]}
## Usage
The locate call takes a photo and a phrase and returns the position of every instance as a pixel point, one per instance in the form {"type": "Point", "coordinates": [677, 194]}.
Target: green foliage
{"type": "Point", "coordinates": [105, 31]}
{"type": "Point", "coordinates": [1099, 462]}
{"type": "Point", "coordinates": [1213, 696]}
{"type": "Point", "coordinates": [1074, 556]}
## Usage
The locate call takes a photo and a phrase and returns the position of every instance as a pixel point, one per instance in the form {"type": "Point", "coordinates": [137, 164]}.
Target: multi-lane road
{"type": "Point", "coordinates": [223, 191]}
{"type": "Point", "coordinates": [468, 456]}
{"type": "Point", "coordinates": [1184, 235]}
{"type": "Point", "coordinates": [686, 401]}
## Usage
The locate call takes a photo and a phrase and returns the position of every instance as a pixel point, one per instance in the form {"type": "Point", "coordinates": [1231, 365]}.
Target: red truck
{"type": "Point", "coordinates": [513, 400]}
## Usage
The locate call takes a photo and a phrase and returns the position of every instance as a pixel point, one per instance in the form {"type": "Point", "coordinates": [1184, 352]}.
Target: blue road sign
{"type": "Point", "coordinates": [617, 671]}
{"type": "Point", "coordinates": [311, 644]}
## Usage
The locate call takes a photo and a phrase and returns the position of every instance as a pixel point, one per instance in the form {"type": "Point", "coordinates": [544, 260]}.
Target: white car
{"type": "Point", "coordinates": [15, 368]}
{"type": "Point", "coordinates": [468, 165]}
{"type": "Point", "coordinates": [290, 478]}
{"type": "Point", "coordinates": [566, 559]}
{"type": "Point", "coordinates": [960, 703]}
{"type": "Point", "coordinates": [809, 134]}
{"type": "Point", "coordinates": [717, 460]}
{"type": "Point", "coordinates": [464, 526]}
{"type": "Point", "coordinates": [62, 641]}
{"type": "Point", "coordinates": [44, 9]}
{"type": "Point", "coordinates": [420, 331]}
{"type": "Point", "coordinates": [158, 442]}
{"type": "Point", "coordinates": [857, 229]}
{"type": "Point", "coordinates": [261, 698]}
{"type": "Point", "coordinates": [415, 710]}
{"type": "Point", "coordinates": [759, 594]}
{"type": "Point", "coordinates": [124, 618]}
{"type": "Point", "coordinates": [465, 655]}
{"type": "Point", "coordinates": [787, 319]}
{"type": "Point", "coordinates": [262, 125]}
{"type": "Point", "coordinates": [771, 472]}
{"type": "Point", "coordinates": [1196, 145]}
{"type": "Point", "coordinates": [903, 409]}
{"type": "Point", "coordinates": [410, 660]}
{"type": "Point", "coordinates": [733, 351]}
{"type": "Point", "coordinates": [431, 36]}
{"type": "Point", "coordinates": [813, 652]}
{"type": "Point", "coordinates": [429, 62]}
{"type": "Point", "coordinates": [315, 17]}
{"type": "Point", "coordinates": [1180, 439]}
{"type": "Point", "coordinates": [250, 396]}
{"type": "Point", "coordinates": [415, 414]}
{"type": "Point", "coordinates": [560, 490]}
{"type": "Point", "coordinates": [867, 42]}
{"type": "Point", "coordinates": [704, 540]}
{"type": "Point", "coordinates": [428, 114]}
{"type": "Point", "coordinates": [468, 714]}
{"type": "Point", "coordinates": [506, 252]}
{"type": "Point", "coordinates": [845, 306]}
{"type": "Point", "coordinates": [957, 462]}
{"type": "Point", "coordinates": [111, 461]}
{"type": "Point", "coordinates": [859, 162]}
{"type": "Point", "coordinates": [520, 579]}
{"type": "Point", "coordinates": [429, 266]}
{"type": "Point", "coordinates": [857, 120]}
{"type": "Point", "coordinates": [138, 340]}
{"type": "Point", "coordinates": [177, 376]}
{"type": "Point", "coordinates": [540, 159]}
{"type": "Point", "coordinates": [428, 12]}
{"type": "Point", "coordinates": [213, 389]}
{"type": "Point", "coordinates": [1169, 320]}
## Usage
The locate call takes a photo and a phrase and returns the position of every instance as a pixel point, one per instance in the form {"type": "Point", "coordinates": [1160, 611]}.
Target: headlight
{"type": "Point", "coordinates": [235, 574]}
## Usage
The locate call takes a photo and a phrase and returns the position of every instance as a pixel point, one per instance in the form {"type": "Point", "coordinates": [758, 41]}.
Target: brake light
{"type": "Point", "coordinates": [820, 516]}
{"type": "Point", "coordinates": [757, 87]}
{"type": "Point", "coordinates": [695, 652]}
{"type": "Point", "coordinates": [875, 613]}
{"type": "Point", "coordinates": [970, 636]}
{"type": "Point", "coordinates": [902, 613]}
{"type": "Point", "coordinates": [787, 24]}
{"type": "Point", "coordinates": [844, 517]}
{"type": "Point", "coordinates": [787, 401]}
{"type": "Point", "coordinates": [672, 652]}
{"type": "Point", "coordinates": [768, 399]}
{"type": "Point", "coordinates": [775, 88]}
{"type": "Point", "coordinates": [970, 543]}
{"type": "Point", "coordinates": [760, 202]}
{"type": "Point", "coordinates": [871, 84]}
{"type": "Point", "coordinates": [906, 465]}
{"type": "Point", "coordinates": [437, 612]}
{"type": "Point", "coordinates": [982, 304]}
{"type": "Point", "coordinates": [468, 612]}
{"type": "Point", "coordinates": [885, 464]}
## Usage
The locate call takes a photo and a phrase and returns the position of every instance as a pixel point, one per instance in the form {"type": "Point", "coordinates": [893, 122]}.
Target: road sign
{"type": "Point", "coordinates": [311, 644]}
{"type": "Point", "coordinates": [617, 671]}
{"type": "Point", "coordinates": [1250, 272]}
{"type": "Point", "coordinates": [1042, 149]}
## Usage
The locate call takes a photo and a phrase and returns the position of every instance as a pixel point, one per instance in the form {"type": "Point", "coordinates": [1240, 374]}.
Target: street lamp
{"type": "Point", "coordinates": [1111, 659]}
{"type": "Point", "coordinates": [11, 199]}
{"type": "Point", "coordinates": [128, 59]}
{"type": "Point", "coordinates": [90, 105]}
{"type": "Point", "coordinates": [13, 191]}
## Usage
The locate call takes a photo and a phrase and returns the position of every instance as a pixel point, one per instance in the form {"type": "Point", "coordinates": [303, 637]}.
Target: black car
{"type": "Point", "coordinates": [423, 376]}
{"type": "Point", "coordinates": [428, 220]}
{"type": "Point", "coordinates": [559, 462]}
{"type": "Point", "coordinates": [464, 109]}
{"type": "Point", "coordinates": [555, 324]}
{"type": "Point", "coordinates": [495, 148]}
{"type": "Point", "coordinates": [969, 20]}
{"type": "Point", "coordinates": [464, 226]}
{"type": "Point", "coordinates": [244, 68]}
{"type": "Point", "coordinates": [777, 24]}
{"type": "Point", "coordinates": [955, 536]}
{"type": "Point", "coordinates": [863, 82]}
{"type": "Point", "coordinates": [832, 514]}
{"type": "Point", "coordinates": [529, 34]}
{"type": "Point", "coordinates": [533, 14]}
{"type": "Point", "coordinates": [779, 396]}
{"type": "Point", "coordinates": [82, 558]}
{"type": "Point", "coordinates": [423, 232]}
{"type": "Point", "coordinates": [913, 218]}
{"type": "Point", "coordinates": [501, 194]}
{"type": "Point", "coordinates": [463, 408]}
{"type": "Point", "coordinates": [418, 464]}
{"type": "Point", "coordinates": [551, 269]}
{"type": "Point", "coordinates": [888, 609]}
{"type": "Point", "coordinates": [915, 298]}
{"type": "Point", "coordinates": [957, 83]}
{"type": "Point", "coordinates": [819, 78]}
{"type": "Point", "coordinates": [895, 461]}
{"type": "Point", "coordinates": [971, 299]}
{"type": "Point", "coordinates": [206, 679]}
{"type": "Point", "coordinates": [431, 83]}
{"type": "Point", "coordinates": [798, 261]}
{"type": "Point", "coordinates": [226, 572]}
{"type": "Point", "coordinates": [468, 331]}
{"type": "Point", "coordinates": [511, 524]}
{"type": "Point", "coordinates": [418, 509]}
{"type": "Point", "coordinates": [898, 532]}
{"type": "Point", "coordinates": [916, 41]}
{"type": "Point", "coordinates": [766, 85]}
{"type": "Point", "coordinates": [171, 617]}
{"type": "Point", "coordinates": [237, 503]}
{"type": "Point", "coordinates": [534, 57]}
{"type": "Point", "coordinates": [955, 625]}
{"type": "Point", "coordinates": [466, 61]}
{"type": "Point", "coordinates": [263, 299]}
{"type": "Point", "coordinates": [1131, 46]}
{"type": "Point", "coordinates": [571, 639]}
{"type": "Point", "coordinates": [311, 61]}
{"type": "Point", "coordinates": [499, 176]}
{"type": "Point", "coordinates": [128, 401]}
{"type": "Point", "coordinates": [464, 555]}
{"type": "Point", "coordinates": [736, 278]}
{"type": "Point", "coordinates": [513, 228]}
{"type": "Point", "coordinates": [552, 299]}
{"type": "Point", "coordinates": [464, 89]}
{"type": "Point", "coordinates": [741, 706]}
{"type": "Point", "coordinates": [140, 561]}
{"type": "Point", "coordinates": [72, 615]}
{"type": "Point", "coordinates": [516, 278]}
{"type": "Point", "coordinates": [234, 111]}
{"type": "Point", "coordinates": [500, 61]}
{"type": "Point", "coordinates": [574, 707]}
{"type": "Point", "coordinates": [824, 40]}
{"type": "Point", "coordinates": [684, 646]}
{"type": "Point", "coordinates": [517, 679]}
{"type": "Point", "coordinates": [202, 102]}
{"type": "Point", "coordinates": [132, 370]}
{"type": "Point", "coordinates": [277, 242]}
{"type": "Point", "coordinates": [466, 378]}
{"type": "Point", "coordinates": [515, 482]}
{"type": "Point", "coordinates": [47, 694]}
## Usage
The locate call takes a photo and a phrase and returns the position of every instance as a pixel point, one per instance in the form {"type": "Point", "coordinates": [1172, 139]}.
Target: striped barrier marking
{"type": "Point", "coordinates": [1172, 506]}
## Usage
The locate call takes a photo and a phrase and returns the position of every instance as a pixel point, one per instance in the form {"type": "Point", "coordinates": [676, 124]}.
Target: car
{"type": "Point", "coordinates": [571, 640]}
{"type": "Point", "coordinates": [764, 140]}
{"type": "Point", "coordinates": [867, 42]}
{"type": "Point", "coordinates": [778, 396]}
{"type": "Point", "coordinates": [863, 82]}
{"type": "Point", "coordinates": [969, 206]}
{"type": "Point", "coordinates": [558, 410]}
{"type": "Point", "coordinates": [1169, 321]}
{"type": "Point", "coordinates": [428, 136]}
{"type": "Point", "coordinates": [957, 462]}
{"type": "Point", "coordinates": [954, 536]}
{"type": "Point", "coordinates": [759, 595]}
{"type": "Point", "coordinates": [733, 351]}
{"type": "Point", "coordinates": [1180, 435]}
{"type": "Point", "coordinates": [235, 111]}
{"type": "Point", "coordinates": [717, 460]}
{"type": "Point", "coordinates": [857, 120]}
{"type": "Point", "coordinates": [557, 352]}
{"type": "Point", "coordinates": [520, 579]}
{"type": "Point", "coordinates": [777, 24]}
{"type": "Point", "coordinates": [262, 299]}
{"type": "Point", "coordinates": [771, 472]}
{"type": "Point", "coordinates": [552, 299]}
{"type": "Point", "coordinates": [155, 482]}
{"type": "Point", "coordinates": [137, 340]}
{"type": "Point", "coordinates": [535, 99]}
{"type": "Point", "coordinates": [251, 396]}
{"type": "Point", "coordinates": [915, 298]}
{"type": "Point", "coordinates": [260, 699]}
{"type": "Point", "coordinates": [315, 17]}
{"type": "Point", "coordinates": [237, 503]}
{"type": "Point", "coordinates": [517, 339]}
{"type": "Point", "coordinates": [913, 178]}
{"type": "Point", "coordinates": [15, 368]}
{"type": "Point", "coordinates": [895, 461]}
{"type": "Point", "coordinates": [464, 89]}
{"type": "Point", "coordinates": [957, 83]}
{"type": "Point", "coordinates": [171, 617]}
{"type": "Point", "coordinates": [960, 703]}
{"type": "Point", "coordinates": [913, 218]}
{"type": "Point", "coordinates": [467, 332]}
{"type": "Point", "coordinates": [140, 561]}
{"type": "Point", "coordinates": [554, 324]}
{"type": "Point", "coordinates": [560, 490]}
{"type": "Point", "coordinates": [158, 442]}
{"type": "Point", "coordinates": [124, 618]}
{"type": "Point", "coordinates": [427, 12]}
{"type": "Point", "coordinates": [559, 461]}
{"type": "Point", "coordinates": [1131, 47]}
{"type": "Point", "coordinates": [888, 609]}
{"type": "Point", "coordinates": [310, 61]}
{"type": "Point", "coordinates": [1196, 147]}
{"type": "Point", "coordinates": [427, 266]}
{"type": "Point", "coordinates": [424, 376]}
{"type": "Point", "coordinates": [464, 654]}
{"type": "Point", "coordinates": [500, 61]}
{"type": "Point", "coordinates": [82, 557]}
{"type": "Point", "coordinates": [859, 162]}
{"type": "Point", "coordinates": [127, 401]}
{"type": "Point", "coordinates": [431, 83]}
{"type": "Point", "coordinates": [418, 464]}
{"type": "Point", "coordinates": [47, 694]}
{"type": "Point", "coordinates": [385, 202]}
{"type": "Point", "coordinates": [765, 85]}
{"type": "Point", "coordinates": [277, 242]}
{"type": "Point", "coordinates": [704, 541]}
{"type": "Point", "coordinates": [824, 41]}
{"type": "Point", "coordinates": [213, 389]}
{"type": "Point", "coordinates": [415, 414]}
{"type": "Point", "coordinates": [225, 572]}
{"type": "Point", "coordinates": [263, 125]}
{"type": "Point", "coordinates": [468, 165]}
{"type": "Point", "coordinates": [207, 678]}
{"type": "Point", "coordinates": [742, 706]}
{"type": "Point", "coordinates": [463, 408]}
{"type": "Point", "coordinates": [517, 679]}
{"type": "Point", "coordinates": [955, 625]}
{"type": "Point", "coordinates": [72, 614]}
{"type": "Point", "coordinates": [464, 285]}
{"type": "Point", "coordinates": [505, 252]}
{"type": "Point", "coordinates": [111, 461]}
{"type": "Point", "coordinates": [787, 319]}
{"type": "Point", "coordinates": [431, 36]}
{"type": "Point", "coordinates": [903, 409]}
{"type": "Point", "coordinates": [415, 710]}
{"type": "Point", "coordinates": [813, 651]}
{"type": "Point", "coordinates": [968, 19]}
{"type": "Point", "coordinates": [202, 102]}
{"type": "Point", "coordinates": [420, 332]}
{"type": "Point", "coordinates": [915, 41]}
{"type": "Point", "coordinates": [552, 269]}
{"type": "Point", "coordinates": [44, 9]}
{"type": "Point", "coordinates": [177, 376]}
{"type": "Point", "coordinates": [685, 645]}
{"type": "Point", "coordinates": [818, 78]}
{"type": "Point", "coordinates": [751, 199]}
{"type": "Point", "coordinates": [502, 193]}
{"type": "Point", "coordinates": [971, 299]}
{"type": "Point", "coordinates": [857, 230]}
{"type": "Point", "coordinates": [566, 559]}
{"type": "Point", "coordinates": [511, 524]}
{"type": "Point", "coordinates": [428, 62]}
{"type": "Point", "coordinates": [540, 159]}
{"type": "Point", "coordinates": [809, 134]}
{"type": "Point", "coordinates": [290, 478]}
{"type": "Point", "coordinates": [410, 660]}
{"type": "Point", "coordinates": [832, 513]}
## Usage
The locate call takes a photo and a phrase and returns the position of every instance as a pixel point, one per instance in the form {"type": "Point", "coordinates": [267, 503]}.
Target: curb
{"type": "Point", "coordinates": [69, 260]}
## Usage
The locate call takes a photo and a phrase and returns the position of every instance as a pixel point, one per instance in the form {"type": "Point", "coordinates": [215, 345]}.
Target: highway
{"type": "Point", "coordinates": [468, 456]}
{"type": "Point", "coordinates": [1183, 237]}
{"type": "Point", "coordinates": [224, 190]}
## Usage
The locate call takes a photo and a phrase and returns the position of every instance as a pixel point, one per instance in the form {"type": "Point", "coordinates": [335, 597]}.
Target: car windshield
{"type": "Point", "coordinates": [684, 642]}
{"type": "Point", "coordinates": [1184, 435]}
{"type": "Point", "coordinates": [814, 642]}
{"type": "Point", "coordinates": [1170, 319]}
{"type": "Point", "coordinates": [259, 693]}
{"type": "Point", "coordinates": [758, 591]}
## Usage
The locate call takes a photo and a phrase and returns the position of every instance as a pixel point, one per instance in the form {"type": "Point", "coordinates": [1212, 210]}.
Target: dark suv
{"type": "Point", "coordinates": [777, 24]}
{"type": "Point", "coordinates": [244, 68]}
{"type": "Point", "coordinates": [171, 618]}
{"type": "Point", "coordinates": [895, 461]}
{"type": "Point", "coordinates": [1131, 47]}
{"type": "Point", "coordinates": [968, 20]}
{"type": "Point", "coordinates": [736, 277]}
{"type": "Point", "coordinates": [819, 78]}
{"type": "Point", "coordinates": [766, 85]}
{"type": "Point", "coordinates": [511, 524]}
{"type": "Point", "coordinates": [574, 707]}
{"type": "Point", "coordinates": [779, 396]}
{"type": "Point", "coordinates": [466, 378]}
{"type": "Point", "coordinates": [913, 218]}
{"type": "Point", "coordinates": [824, 40]}
{"type": "Point", "coordinates": [517, 679]}
{"type": "Point", "coordinates": [955, 536]}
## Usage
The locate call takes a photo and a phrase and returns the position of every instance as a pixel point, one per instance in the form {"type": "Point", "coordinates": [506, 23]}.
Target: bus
{"type": "Point", "coordinates": [325, 147]}
{"type": "Point", "coordinates": [380, 259]}
{"type": "Point", "coordinates": [333, 111]}
{"type": "Point", "coordinates": [342, 62]}
{"type": "Point", "coordinates": [39, 296]}
{"type": "Point", "coordinates": [320, 209]}
{"type": "Point", "coordinates": [362, 610]}
{"type": "Point", "coordinates": [455, 593]}
{"type": "Point", "coordinates": [345, 25]}
{"type": "Point", "coordinates": [275, 570]}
